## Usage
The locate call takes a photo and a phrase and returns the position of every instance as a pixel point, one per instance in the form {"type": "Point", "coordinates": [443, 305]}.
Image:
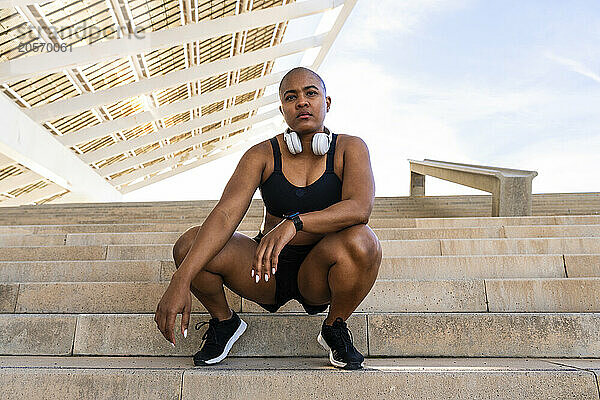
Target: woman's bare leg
{"type": "Point", "coordinates": [232, 266]}
{"type": "Point", "coordinates": [341, 269]}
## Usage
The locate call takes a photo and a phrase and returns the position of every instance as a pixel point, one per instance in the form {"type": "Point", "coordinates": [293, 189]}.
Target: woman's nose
{"type": "Point", "coordinates": [302, 101]}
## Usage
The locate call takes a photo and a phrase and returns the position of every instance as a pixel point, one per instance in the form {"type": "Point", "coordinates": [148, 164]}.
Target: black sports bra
{"type": "Point", "coordinates": [282, 197]}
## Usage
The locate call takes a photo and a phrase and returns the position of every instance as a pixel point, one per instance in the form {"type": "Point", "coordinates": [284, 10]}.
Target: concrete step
{"type": "Point", "coordinates": [80, 239]}
{"type": "Point", "coordinates": [487, 266]}
{"type": "Point", "coordinates": [506, 221]}
{"type": "Point", "coordinates": [53, 253]}
{"type": "Point", "coordinates": [426, 247]}
{"type": "Point", "coordinates": [412, 267]}
{"type": "Point", "coordinates": [577, 245]}
{"type": "Point", "coordinates": [425, 334]}
{"type": "Point", "coordinates": [387, 295]}
{"type": "Point", "coordinates": [175, 378]}
{"type": "Point", "coordinates": [254, 224]}
{"type": "Point", "coordinates": [542, 203]}
{"type": "Point", "coordinates": [84, 271]}
{"type": "Point", "coordinates": [390, 248]}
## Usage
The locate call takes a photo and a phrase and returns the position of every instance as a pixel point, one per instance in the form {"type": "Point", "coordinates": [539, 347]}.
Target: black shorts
{"type": "Point", "coordinates": [286, 277]}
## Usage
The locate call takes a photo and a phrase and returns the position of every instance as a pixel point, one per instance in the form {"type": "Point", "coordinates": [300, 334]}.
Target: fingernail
{"type": "Point", "coordinates": [273, 270]}
{"type": "Point", "coordinates": [253, 273]}
{"type": "Point", "coordinates": [257, 278]}
{"type": "Point", "coordinates": [172, 344]}
{"type": "Point", "coordinates": [185, 333]}
{"type": "Point", "coordinates": [266, 278]}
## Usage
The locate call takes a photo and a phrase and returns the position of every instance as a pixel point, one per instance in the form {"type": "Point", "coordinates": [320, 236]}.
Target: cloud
{"type": "Point", "coordinates": [574, 66]}
{"type": "Point", "coordinates": [370, 20]}
{"type": "Point", "coordinates": [563, 164]}
{"type": "Point", "coordinates": [393, 129]}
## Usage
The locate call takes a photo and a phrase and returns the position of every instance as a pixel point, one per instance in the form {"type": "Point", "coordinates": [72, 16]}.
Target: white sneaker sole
{"type": "Point", "coordinates": [236, 335]}
{"type": "Point", "coordinates": [333, 362]}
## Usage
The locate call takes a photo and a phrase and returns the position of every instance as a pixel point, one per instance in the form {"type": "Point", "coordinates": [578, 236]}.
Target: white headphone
{"type": "Point", "coordinates": [320, 142]}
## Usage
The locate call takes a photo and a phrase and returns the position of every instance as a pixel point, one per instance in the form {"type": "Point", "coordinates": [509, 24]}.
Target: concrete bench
{"type": "Point", "coordinates": [510, 188]}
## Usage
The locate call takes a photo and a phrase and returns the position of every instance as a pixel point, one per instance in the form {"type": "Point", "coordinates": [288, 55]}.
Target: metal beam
{"type": "Point", "coordinates": [103, 129]}
{"type": "Point", "coordinates": [332, 34]}
{"type": "Point", "coordinates": [17, 3]}
{"type": "Point", "coordinates": [35, 16]}
{"type": "Point", "coordinates": [237, 147]}
{"type": "Point", "coordinates": [5, 161]}
{"type": "Point", "coordinates": [186, 143]}
{"type": "Point", "coordinates": [28, 143]}
{"type": "Point", "coordinates": [61, 108]}
{"type": "Point", "coordinates": [108, 50]}
{"type": "Point", "coordinates": [177, 129]}
{"type": "Point", "coordinates": [172, 162]}
{"type": "Point", "coordinates": [33, 196]}
{"type": "Point", "coordinates": [17, 181]}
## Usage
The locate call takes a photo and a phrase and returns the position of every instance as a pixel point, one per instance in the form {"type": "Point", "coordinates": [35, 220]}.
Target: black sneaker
{"type": "Point", "coordinates": [337, 340]}
{"type": "Point", "coordinates": [218, 339]}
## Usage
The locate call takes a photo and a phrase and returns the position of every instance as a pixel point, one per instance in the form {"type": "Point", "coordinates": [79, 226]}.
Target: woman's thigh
{"type": "Point", "coordinates": [234, 264]}
{"type": "Point", "coordinates": [356, 247]}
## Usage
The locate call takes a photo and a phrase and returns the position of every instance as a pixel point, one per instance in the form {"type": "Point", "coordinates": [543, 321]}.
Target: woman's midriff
{"type": "Point", "coordinates": [301, 237]}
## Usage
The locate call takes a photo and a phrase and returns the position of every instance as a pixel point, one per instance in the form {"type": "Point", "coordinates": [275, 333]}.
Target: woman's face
{"type": "Point", "coordinates": [303, 102]}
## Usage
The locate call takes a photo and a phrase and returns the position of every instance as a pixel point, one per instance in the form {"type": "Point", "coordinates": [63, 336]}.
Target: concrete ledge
{"type": "Point", "coordinates": [50, 253]}
{"type": "Point", "coordinates": [579, 245]}
{"type": "Point", "coordinates": [539, 295]}
{"type": "Point", "coordinates": [94, 383]}
{"type": "Point", "coordinates": [552, 231]}
{"type": "Point", "coordinates": [281, 378]}
{"type": "Point", "coordinates": [80, 271]}
{"type": "Point", "coordinates": [267, 335]}
{"type": "Point", "coordinates": [485, 334]}
{"type": "Point", "coordinates": [100, 297]}
{"type": "Point", "coordinates": [37, 334]}
{"type": "Point", "coordinates": [8, 297]}
{"type": "Point", "coordinates": [391, 233]}
{"type": "Point", "coordinates": [510, 188]}
{"type": "Point", "coordinates": [389, 334]}
{"type": "Point", "coordinates": [31, 240]}
{"type": "Point", "coordinates": [582, 265]}
{"type": "Point", "coordinates": [472, 267]}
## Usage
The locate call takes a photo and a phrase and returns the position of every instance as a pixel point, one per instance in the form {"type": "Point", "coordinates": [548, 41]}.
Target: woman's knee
{"type": "Point", "coordinates": [362, 245]}
{"type": "Point", "coordinates": [183, 245]}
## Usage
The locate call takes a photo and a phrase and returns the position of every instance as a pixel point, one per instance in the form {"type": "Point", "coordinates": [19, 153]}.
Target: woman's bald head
{"type": "Point", "coordinates": [300, 70]}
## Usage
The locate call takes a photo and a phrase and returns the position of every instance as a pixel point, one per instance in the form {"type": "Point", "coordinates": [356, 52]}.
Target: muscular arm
{"type": "Point", "coordinates": [225, 217]}
{"type": "Point", "coordinates": [358, 193]}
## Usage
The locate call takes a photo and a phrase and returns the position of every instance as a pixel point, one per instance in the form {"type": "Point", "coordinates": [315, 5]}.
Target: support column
{"type": "Point", "coordinates": [417, 184]}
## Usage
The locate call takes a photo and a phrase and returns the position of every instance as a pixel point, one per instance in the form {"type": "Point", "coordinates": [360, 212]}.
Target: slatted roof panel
{"type": "Point", "coordinates": [83, 22]}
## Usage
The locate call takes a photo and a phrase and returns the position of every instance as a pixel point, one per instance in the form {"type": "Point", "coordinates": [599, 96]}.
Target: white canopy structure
{"type": "Point", "coordinates": [103, 97]}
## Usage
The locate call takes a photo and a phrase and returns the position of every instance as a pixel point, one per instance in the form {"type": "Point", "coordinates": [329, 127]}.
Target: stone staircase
{"type": "Point", "coordinates": [465, 307]}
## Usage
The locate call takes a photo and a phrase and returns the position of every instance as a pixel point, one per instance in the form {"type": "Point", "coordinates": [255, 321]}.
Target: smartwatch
{"type": "Point", "coordinates": [295, 218]}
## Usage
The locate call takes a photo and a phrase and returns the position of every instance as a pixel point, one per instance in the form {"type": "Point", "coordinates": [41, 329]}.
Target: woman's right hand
{"type": "Point", "coordinates": [176, 299]}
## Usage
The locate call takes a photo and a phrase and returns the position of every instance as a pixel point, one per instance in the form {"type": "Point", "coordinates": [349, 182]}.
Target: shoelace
{"type": "Point", "coordinates": [343, 333]}
{"type": "Point", "coordinates": [210, 336]}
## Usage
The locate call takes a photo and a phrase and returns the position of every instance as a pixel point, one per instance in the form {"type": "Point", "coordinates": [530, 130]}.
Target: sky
{"type": "Point", "coordinates": [504, 83]}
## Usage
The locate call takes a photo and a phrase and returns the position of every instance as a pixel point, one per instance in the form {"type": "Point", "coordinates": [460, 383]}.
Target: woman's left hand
{"type": "Point", "coordinates": [267, 252]}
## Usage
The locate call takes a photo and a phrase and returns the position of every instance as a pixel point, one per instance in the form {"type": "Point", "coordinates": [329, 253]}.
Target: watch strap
{"type": "Point", "coordinates": [295, 218]}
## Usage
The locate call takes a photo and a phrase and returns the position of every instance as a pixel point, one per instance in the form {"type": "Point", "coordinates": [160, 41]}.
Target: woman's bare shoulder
{"type": "Point", "coordinates": [259, 150]}
{"type": "Point", "coordinates": [349, 142]}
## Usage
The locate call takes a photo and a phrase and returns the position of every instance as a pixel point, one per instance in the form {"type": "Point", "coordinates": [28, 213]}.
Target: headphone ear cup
{"type": "Point", "coordinates": [320, 143]}
{"type": "Point", "coordinates": [293, 141]}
